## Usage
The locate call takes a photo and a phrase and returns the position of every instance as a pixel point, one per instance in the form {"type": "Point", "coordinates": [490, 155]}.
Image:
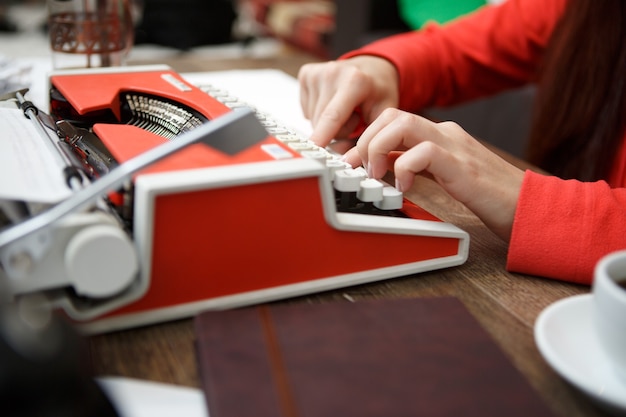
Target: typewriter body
{"type": "Point", "coordinates": [247, 212]}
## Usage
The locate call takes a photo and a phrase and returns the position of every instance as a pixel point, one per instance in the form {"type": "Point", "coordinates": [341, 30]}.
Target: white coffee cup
{"type": "Point", "coordinates": [609, 309]}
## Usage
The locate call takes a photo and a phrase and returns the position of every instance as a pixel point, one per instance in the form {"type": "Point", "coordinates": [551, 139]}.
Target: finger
{"type": "Point", "coordinates": [381, 129]}
{"type": "Point", "coordinates": [370, 133]}
{"type": "Point", "coordinates": [333, 115]}
{"type": "Point", "coordinates": [307, 82]}
{"type": "Point", "coordinates": [404, 131]}
{"type": "Point", "coordinates": [304, 100]}
{"type": "Point", "coordinates": [490, 187]}
{"type": "Point", "coordinates": [352, 157]}
{"type": "Point", "coordinates": [351, 129]}
{"type": "Point", "coordinates": [425, 157]}
{"type": "Point", "coordinates": [341, 146]}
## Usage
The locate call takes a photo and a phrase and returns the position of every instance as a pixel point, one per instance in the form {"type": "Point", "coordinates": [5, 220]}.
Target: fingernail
{"type": "Point", "coordinates": [399, 186]}
{"type": "Point", "coordinates": [368, 169]}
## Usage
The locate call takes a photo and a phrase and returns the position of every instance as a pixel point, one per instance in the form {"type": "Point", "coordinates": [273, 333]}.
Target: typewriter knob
{"type": "Point", "coordinates": [101, 261]}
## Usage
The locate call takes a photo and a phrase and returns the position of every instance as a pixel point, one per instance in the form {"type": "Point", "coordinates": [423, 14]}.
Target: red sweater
{"type": "Point", "coordinates": [561, 228]}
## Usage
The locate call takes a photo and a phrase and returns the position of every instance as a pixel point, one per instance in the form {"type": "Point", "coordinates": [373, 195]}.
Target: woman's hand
{"type": "Point", "coordinates": [339, 96]}
{"type": "Point", "coordinates": [469, 172]}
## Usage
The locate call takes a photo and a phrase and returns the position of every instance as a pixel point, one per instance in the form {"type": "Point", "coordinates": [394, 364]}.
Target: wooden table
{"type": "Point", "coordinates": [506, 304]}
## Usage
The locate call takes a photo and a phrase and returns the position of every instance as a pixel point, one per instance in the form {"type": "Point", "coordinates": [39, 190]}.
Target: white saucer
{"type": "Point", "coordinates": [566, 339]}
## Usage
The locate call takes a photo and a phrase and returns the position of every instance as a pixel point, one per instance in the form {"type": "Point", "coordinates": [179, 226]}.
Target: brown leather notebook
{"type": "Point", "coordinates": [405, 357]}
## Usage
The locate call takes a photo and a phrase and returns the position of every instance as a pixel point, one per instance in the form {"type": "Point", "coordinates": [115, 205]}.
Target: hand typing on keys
{"type": "Point", "coordinates": [333, 96]}
{"type": "Point", "coordinates": [353, 185]}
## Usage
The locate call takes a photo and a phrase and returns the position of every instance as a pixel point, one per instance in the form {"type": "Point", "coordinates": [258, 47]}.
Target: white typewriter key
{"type": "Point", "coordinates": [370, 190]}
{"type": "Point", "coordinates": [349, 180]}
{"type": "Point", "coordinates": [240, 105]}
{"type": "Point", "coordinates": [335, 165]}
{"type": "Point", "coordinates": [302, 146]}
{"type": "Point", "coordinates": [277, 131]}
{"type": "Point", "coordinates": [227, 99]}
{"type": "Point", "coordinates": [268, 123]}
{"type": "Point", "coordinates": [316, 155]}
{"type": "Point", "coordinates": [286, 138]}
{"type": "Point", "coordinates": [392, 199]}
{"type": "Point", "coordinates": [211, 90]}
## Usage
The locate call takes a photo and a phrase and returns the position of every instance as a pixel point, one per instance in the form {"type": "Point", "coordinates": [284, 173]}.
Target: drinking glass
{"type": "Point", "coordinates": [89, 33]}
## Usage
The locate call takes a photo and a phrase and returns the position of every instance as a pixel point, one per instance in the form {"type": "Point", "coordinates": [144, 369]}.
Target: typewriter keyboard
{"type": "Point", "coordinates": [354, 191]}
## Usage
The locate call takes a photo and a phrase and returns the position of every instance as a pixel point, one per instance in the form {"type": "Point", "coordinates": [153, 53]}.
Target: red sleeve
{"type": "Point", "coordinates": [492, 49]}
{"type": "Point", "coordinates": [563, 227]}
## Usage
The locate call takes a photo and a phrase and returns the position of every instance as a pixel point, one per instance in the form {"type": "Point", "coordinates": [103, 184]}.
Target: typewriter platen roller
{"type": "Point", "coordinates": [238, 220]}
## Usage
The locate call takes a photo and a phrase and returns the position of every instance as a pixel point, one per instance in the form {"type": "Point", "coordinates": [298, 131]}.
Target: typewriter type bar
{"type": "Point", "coordinates": [225, 225]}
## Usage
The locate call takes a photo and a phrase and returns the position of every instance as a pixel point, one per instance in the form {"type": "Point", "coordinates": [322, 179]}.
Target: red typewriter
{"type": "Point", "coordinates": [246, 211]}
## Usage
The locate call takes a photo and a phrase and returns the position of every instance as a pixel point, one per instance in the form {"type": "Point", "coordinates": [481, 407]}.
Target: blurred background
{"type": "Point", "coordinates": [263, 28]}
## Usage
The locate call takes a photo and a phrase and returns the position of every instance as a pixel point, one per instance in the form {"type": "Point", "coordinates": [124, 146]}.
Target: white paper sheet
{"type": "Point", "coordinates": [270, 91]}
{"type": "Point", "coordinates": [26, 172]}
{"type": "Point", "coordinates": [139, 398]}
